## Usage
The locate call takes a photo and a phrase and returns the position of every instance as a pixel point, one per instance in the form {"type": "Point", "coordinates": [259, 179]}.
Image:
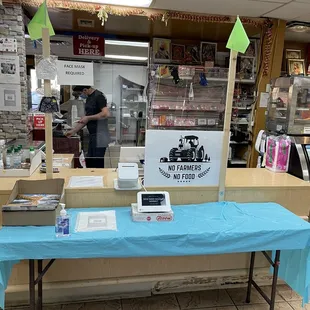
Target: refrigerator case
{"type": "Point", "coordinates": [299, 164]}
{"type": "Point", "coordinates": [289, 106]}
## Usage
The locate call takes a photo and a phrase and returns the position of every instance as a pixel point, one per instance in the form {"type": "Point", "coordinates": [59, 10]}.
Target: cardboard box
{"type": "Point", "coordinates": [150, 217]}
{"type": "Point", "coordinates": [33, 217]}
{"type": "Point", "coordinates": [36, 162]}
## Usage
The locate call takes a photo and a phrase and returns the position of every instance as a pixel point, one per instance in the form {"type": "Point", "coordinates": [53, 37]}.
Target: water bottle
{"type": "Point", "coordinates": [22, 154]}
{"type": "Point", "coordinates": [1, 159]}
{"type": "Point", "coordinates": [16, 158]}
{"type": "Point", "coordinates": [32, 153]}
{"type": "Point", "coordinates": [8, 163]}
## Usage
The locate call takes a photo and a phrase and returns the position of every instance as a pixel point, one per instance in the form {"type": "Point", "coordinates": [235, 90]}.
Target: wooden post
{"type": "Point", "coordinates": [227, 121]}
{"type": "Point", "coordinates": [48, 116]}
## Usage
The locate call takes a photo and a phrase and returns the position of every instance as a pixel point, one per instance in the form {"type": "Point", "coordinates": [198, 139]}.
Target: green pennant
{"type": "Point", "coordinates": [40, 20]}
{"type": "Point", "coordinates": [238, 40]}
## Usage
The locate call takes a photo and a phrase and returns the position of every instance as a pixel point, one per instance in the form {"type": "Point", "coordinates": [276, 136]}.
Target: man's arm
{"type": "Point", "coordinates": [103, 114]}
{"type": "Point", "coordinates": [75, 130]}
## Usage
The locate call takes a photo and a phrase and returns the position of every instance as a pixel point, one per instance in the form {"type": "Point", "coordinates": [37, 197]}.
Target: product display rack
{"type": "Point", "coordinates": [181, 102]}
{"type": "Point", "coordinates": [289, 106]}
{"type": "Point", "coordinates": [185, 103]}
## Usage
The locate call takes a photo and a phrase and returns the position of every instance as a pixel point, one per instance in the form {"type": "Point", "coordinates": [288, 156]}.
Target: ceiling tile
{"type": "Point", "coordinates": [303, 18]}
{"type": "Point", "coordinates": [223, 7]}
{"type": "Point", "coordinates": [289, 11]}
{"type": "Point", "coordinates": [274, 1]}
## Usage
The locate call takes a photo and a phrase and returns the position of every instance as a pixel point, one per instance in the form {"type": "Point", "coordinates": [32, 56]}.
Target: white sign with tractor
{"type": "Point", "coordinates": [182, 158]}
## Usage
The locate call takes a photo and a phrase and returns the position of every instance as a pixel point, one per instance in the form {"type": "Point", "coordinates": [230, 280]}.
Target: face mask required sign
{"type": "Point", "coordinates": [75, 73]}
{"type": "Point", "coordinates": [182, 158]}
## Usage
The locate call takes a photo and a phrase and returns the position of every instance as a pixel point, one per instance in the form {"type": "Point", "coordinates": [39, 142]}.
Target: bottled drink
{"type": "Point", "coordinates": [31, 153]}
{"type": "Point", "coordinates": [16, 158]}
{"type": "Point", "coordinates": [1, 159]}
{"type": "Point", "coordinates": [8, 164]}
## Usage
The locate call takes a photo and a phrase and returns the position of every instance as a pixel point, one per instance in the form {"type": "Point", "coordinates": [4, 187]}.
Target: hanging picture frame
{"type": "Point", "coordinates": [296, 66]}
{"type": "Point", "coordinates": [207, 51]}
{"type": "Point", "coordinates": [246, 67]}
{"type": "Point", "coordinates": [161, 50]}
{"type": "Point", "coordinates": [292, 54]}
{"type": "Point", "coordinates": [192, 54]}
{"type": "Point", "coordinates": [251, 50]}
{"type": "Point", "coordinates": [177, 52]}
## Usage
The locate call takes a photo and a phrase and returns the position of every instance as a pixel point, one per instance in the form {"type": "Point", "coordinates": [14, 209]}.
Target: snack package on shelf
{"type": "Point", "coordinates": [184, 122]}
{"type": "Point", "coordinates": [278, 153]}
{"type": "Point", "coordinates": [155, 121]}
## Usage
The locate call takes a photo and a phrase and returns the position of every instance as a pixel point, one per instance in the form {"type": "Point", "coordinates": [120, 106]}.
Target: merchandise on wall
{"type": "Point", "coordinates": [187, 91]}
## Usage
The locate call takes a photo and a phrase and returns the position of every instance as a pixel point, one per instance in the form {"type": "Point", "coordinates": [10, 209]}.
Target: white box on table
{"type": "Point", "coordinates": [150, 216]}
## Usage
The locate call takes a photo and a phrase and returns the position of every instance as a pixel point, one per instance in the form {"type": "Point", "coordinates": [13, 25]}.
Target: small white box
{"type": "Point", "coordinates": [127, 175]}
{"type": "Point", "coordinates": [151, 216]}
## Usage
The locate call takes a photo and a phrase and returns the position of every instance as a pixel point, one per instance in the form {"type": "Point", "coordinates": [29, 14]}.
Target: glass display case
{"type": "Point", "coordinates": [289, 106]}
{"type": "Point", "coordinates": [132, 113]}
{"type": "Point", "coordinates": [180, 97]}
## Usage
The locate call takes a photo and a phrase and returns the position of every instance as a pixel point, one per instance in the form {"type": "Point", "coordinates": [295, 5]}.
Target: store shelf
{"type": "Point", "coordinates": [186, 110]}
{"type": "Point", "coordinates": [239, 143]}
{"type": "Point", "coordinates": [243, 108]}
{"type": "Point", "coordinates": [240, 123]}
{"type": "Point", "coordinates": [210, 79]}
{"type": "Point", "coordinates": [129, 101]}
{"type": "Point", "coordinates": [132, 89]}
{"type": "Point", "coordinates": [237, 162]}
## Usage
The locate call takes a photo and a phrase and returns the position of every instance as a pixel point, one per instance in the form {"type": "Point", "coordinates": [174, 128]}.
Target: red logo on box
{"type": "Point", "coordinates": [148, 218]}
{"type": "Point", "coordinates": [167, 218]}
{"type": "Point", "coordinates": [39, 122]}
{"type": "Point", "coordinates": [88, 45]}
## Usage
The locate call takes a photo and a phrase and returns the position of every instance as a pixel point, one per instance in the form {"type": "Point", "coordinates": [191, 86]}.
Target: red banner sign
{"type": "Point", "coordinates": [39, 121]}
{"type": "Point", "coordinates": [88, 45]}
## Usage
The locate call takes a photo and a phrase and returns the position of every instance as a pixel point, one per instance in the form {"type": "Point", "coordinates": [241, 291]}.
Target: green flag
{"type": "Point", "coordinates": [238, 39]}
{"type": "Point", "coordinates": [40, 20]}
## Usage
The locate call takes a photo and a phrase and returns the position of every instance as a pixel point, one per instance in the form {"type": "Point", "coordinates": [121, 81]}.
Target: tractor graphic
{"type": "Point", "coordinates": [188, 150]}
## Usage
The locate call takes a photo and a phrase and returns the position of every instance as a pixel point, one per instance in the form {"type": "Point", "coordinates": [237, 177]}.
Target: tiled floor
{"type": "Point", "coordinates": [230, 299]}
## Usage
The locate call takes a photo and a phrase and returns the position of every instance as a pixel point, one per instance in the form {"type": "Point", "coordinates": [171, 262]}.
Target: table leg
{"type": "Point", "coordinates": [248, 297]}
{"type": "Point", "coordinates": [40, 286]}
{"type": "Point", "coordinates": [274, 280]}
{"type": "Point", "coordinates": [32, 292]}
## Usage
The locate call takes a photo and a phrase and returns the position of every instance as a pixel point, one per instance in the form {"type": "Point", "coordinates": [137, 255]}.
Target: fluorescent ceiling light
{"type": "Point", "coordinates": [135, 3]}
{"type": "Point", "coordinates": [127, 43]}
{"type": "Point", "coordinates": [126, 57]}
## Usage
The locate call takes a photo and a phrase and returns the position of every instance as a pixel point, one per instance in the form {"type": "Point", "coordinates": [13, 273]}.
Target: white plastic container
{"type": "Point", "coordinates": [32, 154]}
{"type": "Point", "coordinates": [62, 227]}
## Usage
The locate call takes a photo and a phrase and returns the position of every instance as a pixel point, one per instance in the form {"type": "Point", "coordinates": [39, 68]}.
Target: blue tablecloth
{"type": "Point", "coordinates": [211, 228]}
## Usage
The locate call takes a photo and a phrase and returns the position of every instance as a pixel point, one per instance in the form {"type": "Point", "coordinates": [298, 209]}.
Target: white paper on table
{"type": "Point", "coordinates": [86, 181]}
{"type": "Point", "coordinates": [95, 221]}
{"type": "Point", "coordinates": [61, 162]}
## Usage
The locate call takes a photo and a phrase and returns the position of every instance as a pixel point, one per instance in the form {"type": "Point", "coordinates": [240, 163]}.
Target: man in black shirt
{"type": "Point", "coordinates": [96, 114]}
